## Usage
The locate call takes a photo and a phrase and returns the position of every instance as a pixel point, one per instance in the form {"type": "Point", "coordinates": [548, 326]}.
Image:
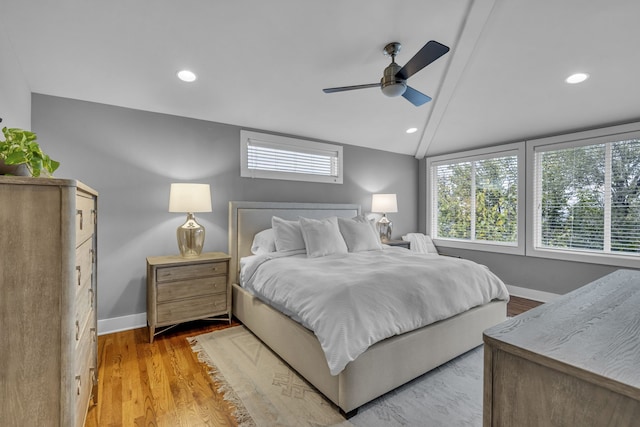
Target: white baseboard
{"type": "Point", "coordinates": [532, 294]}
{"type": "Point", "coordinates": [123, 323]}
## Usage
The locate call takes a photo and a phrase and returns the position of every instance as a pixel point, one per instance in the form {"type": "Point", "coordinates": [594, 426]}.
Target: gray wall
{"type": "Point", "coordinates": [132, 156]}
{"type": "Point", "coordinates": [15, 95]}
{"type": "Point", "coordinates": [541, 274]}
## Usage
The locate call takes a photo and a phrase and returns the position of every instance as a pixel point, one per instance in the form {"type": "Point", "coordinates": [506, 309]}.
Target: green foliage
{"type": "Point", "coordinates": [574, 198]}
{"type": "Point", "coordinates": [20, 147]}
{"type": "Point", "coordinates": [478, 200]}
{"type": "Point", "coordinates": [495, 217]}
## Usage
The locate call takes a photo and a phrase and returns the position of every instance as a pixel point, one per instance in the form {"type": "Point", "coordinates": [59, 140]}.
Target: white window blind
{"type": "Point", "coordinates": [276, 157]}
{"type": "Point", "coordinates": [476, 199]}
{"type": "Point", "coordinates": [588, 197]}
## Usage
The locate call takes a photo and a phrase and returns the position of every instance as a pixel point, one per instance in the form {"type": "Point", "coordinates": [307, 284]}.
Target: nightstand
{"type": "Point", "coordinates": [184, 289]}
{"type": "Point", "coordinates": [402, 243]}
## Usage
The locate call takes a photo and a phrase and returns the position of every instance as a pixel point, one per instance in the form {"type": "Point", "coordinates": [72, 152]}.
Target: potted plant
{"type": "Point", "coordinates": [21, 148]}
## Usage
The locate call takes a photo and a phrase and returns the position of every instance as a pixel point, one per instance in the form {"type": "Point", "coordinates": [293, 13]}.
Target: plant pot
{"type": "Point", "coordinates": [16, 170]}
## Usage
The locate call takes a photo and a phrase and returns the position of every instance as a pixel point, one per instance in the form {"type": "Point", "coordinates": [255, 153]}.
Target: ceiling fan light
{"type": "Point", "coordinates": [394, 89]}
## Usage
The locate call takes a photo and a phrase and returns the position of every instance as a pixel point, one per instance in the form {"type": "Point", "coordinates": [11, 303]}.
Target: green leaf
{"type": "Point", "coordinates": [15, 158]}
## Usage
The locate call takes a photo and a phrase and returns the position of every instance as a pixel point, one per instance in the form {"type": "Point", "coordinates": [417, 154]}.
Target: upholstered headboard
{"type": "Point", "coordinates": [248, 218]}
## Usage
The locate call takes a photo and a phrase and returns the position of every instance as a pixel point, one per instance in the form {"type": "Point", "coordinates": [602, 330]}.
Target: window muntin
{"type": "Point", "coordinates": [588, 197]}
{"type": "Point", "coordinates": [277, 157]}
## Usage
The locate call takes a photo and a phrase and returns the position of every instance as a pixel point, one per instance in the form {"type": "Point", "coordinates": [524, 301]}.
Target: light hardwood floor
{"type": "Point", "coordinates": [164, 384]}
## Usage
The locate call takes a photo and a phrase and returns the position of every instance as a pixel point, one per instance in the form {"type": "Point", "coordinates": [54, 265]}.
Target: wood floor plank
{"type": "Point", "coordinates": [163, 383]}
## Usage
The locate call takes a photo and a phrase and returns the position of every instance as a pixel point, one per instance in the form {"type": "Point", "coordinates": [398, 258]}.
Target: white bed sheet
{"type": "Point", "coordinates": [351, 301]}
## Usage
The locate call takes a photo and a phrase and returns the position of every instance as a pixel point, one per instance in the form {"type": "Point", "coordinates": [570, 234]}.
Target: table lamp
{"type": "Point", "coordinates": [384, 203]}
{"type": "Point", "coordinates": [190, 198]}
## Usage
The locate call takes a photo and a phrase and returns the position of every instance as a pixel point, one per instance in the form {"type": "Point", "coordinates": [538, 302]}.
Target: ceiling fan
{"type": "Point", "coordinates": [394, 81]}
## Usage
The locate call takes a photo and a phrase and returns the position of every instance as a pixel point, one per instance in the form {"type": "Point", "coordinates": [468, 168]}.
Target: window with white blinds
{"type": "Point", "coordinates": [587, 197]}
{"type": "Point", "coordinates": [474, 199]}
{"type": "Point", "coordinates": [277, 157]}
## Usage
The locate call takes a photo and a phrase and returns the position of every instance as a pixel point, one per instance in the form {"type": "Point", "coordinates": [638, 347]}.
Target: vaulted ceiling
{"type": "Point", "coordinates": [263, 64]}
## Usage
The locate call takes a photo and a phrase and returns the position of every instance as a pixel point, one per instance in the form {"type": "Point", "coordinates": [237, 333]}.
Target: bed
{"type": "Point", "coordinates": [384, 365]}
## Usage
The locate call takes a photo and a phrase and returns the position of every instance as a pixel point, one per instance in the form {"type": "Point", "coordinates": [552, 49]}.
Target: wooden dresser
{"type": "Point", "coordinates": [572, 362]}
{"type": "Point", "coordinates": [48, 343]}
{"type": "Point", "coordinates": [184, 289]}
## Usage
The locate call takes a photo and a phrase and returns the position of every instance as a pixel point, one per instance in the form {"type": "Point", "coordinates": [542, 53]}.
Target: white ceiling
{"type": "Point", "coordinates": [263, 64]}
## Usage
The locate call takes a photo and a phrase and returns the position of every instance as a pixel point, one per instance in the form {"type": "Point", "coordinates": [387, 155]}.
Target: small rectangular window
{"type": "Point", "coordinates": [278, 157]}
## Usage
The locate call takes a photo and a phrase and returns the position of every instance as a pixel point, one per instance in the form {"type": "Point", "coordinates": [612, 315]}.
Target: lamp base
{"type": "Point", "coordinates": [384, 228]}
{"type": "Point", "coordinates": [190, 237]}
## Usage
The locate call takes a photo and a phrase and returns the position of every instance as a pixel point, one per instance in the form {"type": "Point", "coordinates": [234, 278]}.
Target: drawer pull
{"type": "Point", "coordinates": [93, 334]}
{"type": "Point", "coordinates": [77, 330]}
{"type": "Point", "coordinates": [92, 371]}
{"type": "Point", "coordinates": [93, 259]}
{"type": "Point", "coordinates": [94, 216]}
{"type": "Point", "coordinates": [78, 384]}
{"type": "Point", "coordinates": [79, 212]}
{"type": "Point", "coordinates": [79, 270]}
{"type": "Point", "coordinates": [91, 297]}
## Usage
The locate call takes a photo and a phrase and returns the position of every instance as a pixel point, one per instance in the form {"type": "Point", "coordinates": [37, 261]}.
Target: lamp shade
{"type": "Point", "coordinates": [384, 203]}
{"type": "Point", "coordinates": [188, 197]}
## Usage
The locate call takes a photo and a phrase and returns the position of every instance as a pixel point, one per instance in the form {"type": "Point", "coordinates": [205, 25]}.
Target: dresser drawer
{"type": "Point", "coordinates": [85, 311]}
{"type": "Point", "coordinates": [167, 274]}
{"type": "Point", "coordinates": [191, 288]}
{"type": "Point", "coordinates": [85, 374]}
{"type": "Point", "coordinates": [84, 265]}
{"type": "Point", "coordinates": [85, 218]}
{"type": "Point", "coordinates": [192, 308]}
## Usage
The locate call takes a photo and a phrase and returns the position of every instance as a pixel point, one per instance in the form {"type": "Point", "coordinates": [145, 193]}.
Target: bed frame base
{"type": "Point", "coordinates": [383, 367]}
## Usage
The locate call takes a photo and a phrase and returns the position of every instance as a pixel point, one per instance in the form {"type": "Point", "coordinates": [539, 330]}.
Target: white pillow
{"type": "Point", "coordinates": [359, 234]}
{"type": "Point", "coordinates": [322, 237]}
{"type": "Point", "coordinates": [288, 234]}
{"type": "Point", "coordinates": [264, 242]}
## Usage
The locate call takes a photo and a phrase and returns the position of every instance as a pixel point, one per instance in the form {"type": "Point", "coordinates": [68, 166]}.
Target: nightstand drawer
{"type": "Point", "coordinates": [167, 274]}
{"type": "Point", "coordinates": [192, 308]}
{"type": "Point", "coordinates": [191, 288]}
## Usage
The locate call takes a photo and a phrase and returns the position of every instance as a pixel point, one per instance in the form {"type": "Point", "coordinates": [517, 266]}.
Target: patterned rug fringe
{"type": "Point", "coordinates": [222, 386]}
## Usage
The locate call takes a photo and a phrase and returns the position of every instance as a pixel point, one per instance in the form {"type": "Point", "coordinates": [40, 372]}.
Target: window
{"type": "Point", "coordinates": [278, 157]}
{"type": "Point", "coordinates": [587, 196]}
{"type": "Point", "coordinates": [473, 199]}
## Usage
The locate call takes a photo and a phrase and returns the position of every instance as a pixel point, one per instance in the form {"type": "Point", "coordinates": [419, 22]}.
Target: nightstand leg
{"type": "Point", "coordinates": [151, 333]}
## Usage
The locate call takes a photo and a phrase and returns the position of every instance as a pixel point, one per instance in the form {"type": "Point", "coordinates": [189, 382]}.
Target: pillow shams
{"type": "Point", "coordinates": [264, 242]}
{"type": "Point", "coordinates": [359, 234]}
{"type": "Point", "coordinates": [322, 237]}
{"type": "Point", "coordinates": [288, 235]}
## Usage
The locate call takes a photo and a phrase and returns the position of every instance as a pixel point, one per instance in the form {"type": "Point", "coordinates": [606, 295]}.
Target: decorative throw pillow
{"type": "Point", "coordinates": [288, 234]}
{"type": "Point", "coordinates": [322, 237]}
{"type": "Point", "coordinates": [359, 234]}
{"type": "Point", "coordinates": [264, 242]}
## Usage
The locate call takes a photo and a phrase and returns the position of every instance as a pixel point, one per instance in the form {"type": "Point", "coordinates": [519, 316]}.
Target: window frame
{"type": "Point", "coordinates": [517, 149]}
{"type": "Point", "coordinates": [577, 139]}
{"type": "Point", "coordinates": [295, 145]}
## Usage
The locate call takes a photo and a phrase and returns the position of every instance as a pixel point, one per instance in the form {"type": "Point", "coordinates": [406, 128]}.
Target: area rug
{"type": "Point", "coordinates": [267, 392]}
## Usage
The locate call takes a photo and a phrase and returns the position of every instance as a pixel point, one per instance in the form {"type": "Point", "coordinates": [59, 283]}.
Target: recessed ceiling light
{"type": "Point", "coordinates": [186, 76]}
{"type": "Point", "coordinates": [412, 130]}
{"type": "Point", "coordinates": [577, 78]}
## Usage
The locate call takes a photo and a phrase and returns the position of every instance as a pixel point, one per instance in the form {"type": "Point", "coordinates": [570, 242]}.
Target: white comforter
{"type": "Point", "coordinates": [353, 301]}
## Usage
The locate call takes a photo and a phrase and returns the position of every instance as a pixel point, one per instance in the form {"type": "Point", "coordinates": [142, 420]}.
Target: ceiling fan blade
{"type": "Point", "coordinates": [344, 88]}
{"type": "Point", "coordinates": [425, 56]}
{"type": "Point", "coordinates": [415, 97]}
